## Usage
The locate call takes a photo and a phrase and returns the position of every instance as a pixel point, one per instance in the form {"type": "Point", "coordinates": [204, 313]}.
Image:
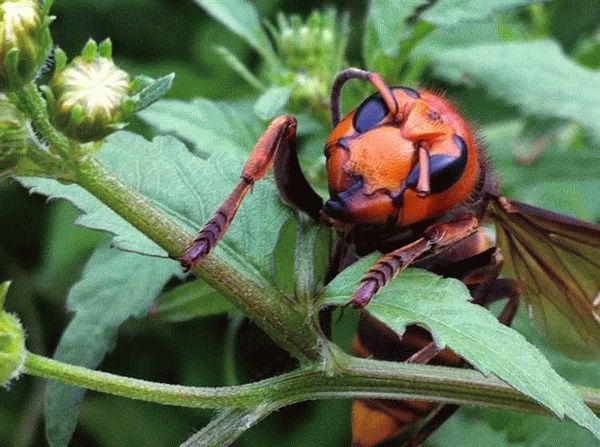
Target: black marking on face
{"type": "Point", "coordinates": [398, 198]}
{"type": "Point", "coordinates": [409, 91]}
{"type": "Point", "coordinates": [370, 113]}
{"type": "Point", "coordinates": [444, 170]}
{"type": "Point", "coordinates": [337, 206]}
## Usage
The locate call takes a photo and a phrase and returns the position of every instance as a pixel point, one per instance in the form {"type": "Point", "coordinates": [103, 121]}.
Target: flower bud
{"type": "Point", "coordinates": [312, 53]}
{"type": "Point", "coordinates": [90, 95]}
{"type": "Point", "coordinates": [13, 135]}
{"type": "Point", "coordinates": [24, 41]}
{"type": "Point", "coordinates": [12, 342]}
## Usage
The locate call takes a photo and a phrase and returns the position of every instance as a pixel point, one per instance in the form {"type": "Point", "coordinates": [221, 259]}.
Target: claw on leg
{"type": "Point", "coordinates": [365, 292]}
{"type": "Point", "coordinates": [213, 230]}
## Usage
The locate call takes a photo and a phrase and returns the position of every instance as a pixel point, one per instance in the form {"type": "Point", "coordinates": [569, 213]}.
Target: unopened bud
{"type": "Point", "coordinates": [312, 53]}
{"type": "Point", "coordinates": [24, 42]}
{"type": "Point", "coordinates": [91, 95]}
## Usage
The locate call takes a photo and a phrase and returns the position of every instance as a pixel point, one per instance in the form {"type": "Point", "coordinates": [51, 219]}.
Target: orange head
{"type": "Point", "coordinates": [403, 156]}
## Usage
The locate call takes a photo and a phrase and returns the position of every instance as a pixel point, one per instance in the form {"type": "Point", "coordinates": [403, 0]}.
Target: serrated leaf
{"type": "Point", "coordinates": [534, 75]}
{"type": "Point", "coordinates": [388, 18]}
{"type": "Point", "coordinates": [453, 12]}
{"type": "Point", "coordinates": [66, 243]}
{"type": "Point", "coordinates": [115, 286]}
{"type": "Point", "coordinates": [443, 307]}
{"type": "Point", "coordinates": [209, 126]}
{"type": "Point", "coordinates": [153, 92]}
{"type": "Point", "coordinates": [241, 17]}
{"type": "Point", "coordinates": [272, 102]}
{"type": "Point", "coordinates": [500, 428]}
{"type": "Point", "coordinates": [190, 300]}
{"type": "Point", "coordinates": [189, 189]}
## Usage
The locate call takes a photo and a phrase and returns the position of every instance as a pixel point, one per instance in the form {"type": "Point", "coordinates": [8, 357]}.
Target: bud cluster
{"type": "Point", "coordinates": [24, 41]}
{"type": "Point", "coordinates": [311, 53]}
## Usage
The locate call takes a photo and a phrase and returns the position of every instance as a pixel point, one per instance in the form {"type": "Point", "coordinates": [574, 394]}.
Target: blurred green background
{"type": "Point", "coordinates": [43, 252]}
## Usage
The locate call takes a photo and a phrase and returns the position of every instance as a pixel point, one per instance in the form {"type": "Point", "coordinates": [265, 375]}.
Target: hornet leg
{"type": "Point", "coordinates": [436, 238]}
{"type": "Point", "coordinates": [277, 144]}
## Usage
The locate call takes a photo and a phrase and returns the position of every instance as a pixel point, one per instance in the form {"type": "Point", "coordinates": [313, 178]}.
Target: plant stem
{"type": "Point", "coordinates": [228, 426]}
{"type": "Point", "coordinates": [358, 378]}
{"type": "Point", "coordinates": [285, 325]}
{"type": "Point", "coordinates": [35, 106]}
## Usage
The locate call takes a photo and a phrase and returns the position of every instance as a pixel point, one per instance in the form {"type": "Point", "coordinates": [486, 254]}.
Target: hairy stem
{"type": "Point", "coordinates": [358, 378]}
{"type": "Point", "coordinates": [284, 324]}
{"type": "Point", "coordinates": [34, 104]}
{"type": "Point", "coordinates": [228, 426]}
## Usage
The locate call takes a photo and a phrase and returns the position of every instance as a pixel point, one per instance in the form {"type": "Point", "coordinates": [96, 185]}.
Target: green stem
{"type": "Point", "coordinates": [50, 164]}
{"type": "Point", "coordinates": [228, 426]}
{"type": "Point", "coordinates": [35, 106]}
{"type": "Point", "coordinates": [357, 378]}
{"type": "Point", "coordinates": [136, 209]}
{"type": "Point", "coordinates": [284, 324]}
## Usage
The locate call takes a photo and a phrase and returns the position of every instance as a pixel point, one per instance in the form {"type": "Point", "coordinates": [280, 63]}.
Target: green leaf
{"type": "Point", "coordinates": [535, 430]}
{"type": "Point", "coordinates": [452, 12]}
{"type": "Point", "coordinates": [559, 179]}
{"type": "Point", "coordinates": [190, 300]}
{"type": "Point", "coordinates": [66, 244]}
{"type": "Point", "coordinates": [500, 428]}
{"type": "Point", "coordinates": [209, 126]}
{"type": "Point", "coordinates": [302, 257]}
{"type": "Point", "coordinates": [388, 18]}
{"type": "Point", "coordinates": [238, 66]}
{"type": "Point", "coordinates": [468, 421]}
{"type": "Point", "coordinates": [189, 189]}
{"type": "Point", "coordinates": [504, 429]}
{"type": "Point", "coordinates": [443, 307]}
{"type": "Point", "coordinates": [153, 92]}
{"type": "Point", "coordinates": [241, 17]}
{"type": "Point", "coordinates": [95, 214]}
{"type": "Point", "coordinates": [283, 256]}
{"type": "Point", "coordinates": [115, 287]}
{"type": "Point", "coordinates": [272, 102]}
{"type": "Point", "coordinates": [536, 76]}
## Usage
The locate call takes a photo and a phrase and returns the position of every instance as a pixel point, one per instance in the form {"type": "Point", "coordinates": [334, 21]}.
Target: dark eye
{"type": "Point", "coordinates": [444, 171]}
{"type": "Point", "coordinates": [370, 113]}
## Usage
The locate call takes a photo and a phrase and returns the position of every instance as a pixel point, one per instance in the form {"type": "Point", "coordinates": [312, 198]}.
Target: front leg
{"type": "Point", "coordinates": [436, 238]}
{"type": "Point", "coordinates": [276, 144]}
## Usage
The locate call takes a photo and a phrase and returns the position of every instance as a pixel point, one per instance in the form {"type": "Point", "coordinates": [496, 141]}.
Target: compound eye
{"type": "Point", "coordinates": [370, 113]}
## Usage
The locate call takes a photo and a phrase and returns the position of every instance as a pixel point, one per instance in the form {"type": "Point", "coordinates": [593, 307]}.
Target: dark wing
{"type": "Point", "coordinates": [557, 258]}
